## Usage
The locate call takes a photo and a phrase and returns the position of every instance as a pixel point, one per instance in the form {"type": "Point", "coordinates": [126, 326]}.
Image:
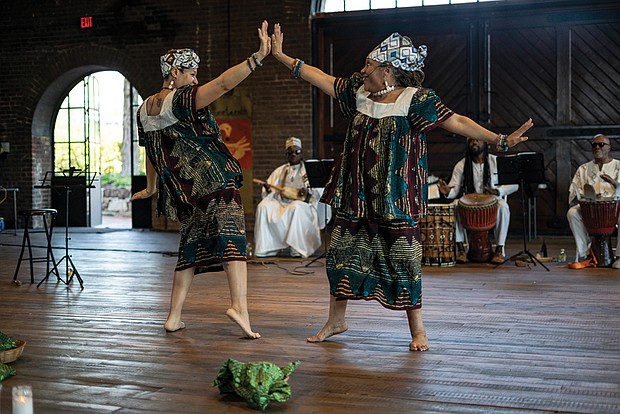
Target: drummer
{"type": "Point", "coordinates": [477, 173]}
{"type": "Point", "coordinates": [601, 176]}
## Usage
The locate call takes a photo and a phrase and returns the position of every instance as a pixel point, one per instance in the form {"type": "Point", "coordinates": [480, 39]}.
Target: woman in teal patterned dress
{"type": "Point", "coordinates": [197, 178]}
{"type": "Point", "coordinates": [378, 186]}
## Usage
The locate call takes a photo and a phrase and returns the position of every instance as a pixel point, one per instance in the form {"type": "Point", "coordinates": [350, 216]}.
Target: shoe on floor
{"type": "Point", "coordinates": [462, 258]}
{"type": "Point", "coordinates": [295, 253]}
{"type": "Point", "coordinates": [498, 258]}
{"type": "Point", "coordinates": [589, 261]}
{"type": "Point", "coordinates": [616, 263]}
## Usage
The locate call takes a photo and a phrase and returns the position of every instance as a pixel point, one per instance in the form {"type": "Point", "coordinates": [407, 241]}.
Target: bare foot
{"type": "Point", "coordinates": [419, 343]}
{"type": "Point", "coordinates": [244, 323]}
{"type": "Point", "coordinates": [173, 327]}
{"type": "Point", "coordinates": [328, 331]}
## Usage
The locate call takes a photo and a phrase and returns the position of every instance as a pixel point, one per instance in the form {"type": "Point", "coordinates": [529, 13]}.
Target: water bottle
{"type": "Point", "coordinates": [562, 256]}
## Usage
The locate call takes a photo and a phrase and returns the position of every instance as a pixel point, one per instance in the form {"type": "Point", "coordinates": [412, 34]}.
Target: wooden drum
{"type": "Point", "coordinates": [478, 214]}
{"type": "Point", "coordinates": [437, 236]}
{"type": "Point", "coordinates": [600, 218]}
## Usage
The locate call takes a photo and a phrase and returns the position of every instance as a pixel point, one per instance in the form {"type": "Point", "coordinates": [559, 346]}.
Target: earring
{"type": "Point", "coordinates": [171, 86]}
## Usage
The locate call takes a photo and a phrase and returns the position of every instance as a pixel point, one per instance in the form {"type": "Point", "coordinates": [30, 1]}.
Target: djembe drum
{"type": "Point", "coordinates": [437, 236]}
{"type": "Point", "coordinates": [600, 218]}
{"type": "Point", "coordinates": [478, 214]}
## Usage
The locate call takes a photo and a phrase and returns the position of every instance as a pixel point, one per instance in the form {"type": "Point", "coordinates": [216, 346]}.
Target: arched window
{"type": "Point", "coordinates": [331, 6]}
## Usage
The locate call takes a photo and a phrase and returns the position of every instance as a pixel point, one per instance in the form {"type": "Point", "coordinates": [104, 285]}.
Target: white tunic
{"type": "Point", "coordinates": [503, 211]}
{"type": "Point", "coordinates": [589, 173]}
{"type": "Point", "coordinates": [284, 223]}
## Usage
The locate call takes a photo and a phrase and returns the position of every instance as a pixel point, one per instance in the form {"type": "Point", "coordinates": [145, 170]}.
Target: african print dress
{"type": "Point", "coordinates": [199, 180]}
{"type": "Point", "coordinates": [379, 190]}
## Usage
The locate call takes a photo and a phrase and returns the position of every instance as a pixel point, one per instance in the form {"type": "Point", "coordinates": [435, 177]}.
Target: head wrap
{"type": "Point", "coordinates": [178, 58]}
{"type": "Point", "coordinates": [293, 142]}
{"type": "Point", "coordinates": [400, 52]}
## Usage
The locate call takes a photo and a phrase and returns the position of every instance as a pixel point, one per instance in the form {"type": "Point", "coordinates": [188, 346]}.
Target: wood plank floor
{"type": "Point", "coordinates": [503, 340]}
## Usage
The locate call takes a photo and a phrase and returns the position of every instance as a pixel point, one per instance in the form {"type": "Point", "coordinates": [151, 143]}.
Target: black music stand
{"type": "Point", "coordinates": [318, 172]}
{"type": "Point", "coordinates": [67, 177]}
{"type": "Point", "coordinates": [522, 168]}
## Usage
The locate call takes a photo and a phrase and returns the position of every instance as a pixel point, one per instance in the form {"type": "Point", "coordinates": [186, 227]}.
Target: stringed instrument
{"type": "Point", "coordinates": [300, 194]}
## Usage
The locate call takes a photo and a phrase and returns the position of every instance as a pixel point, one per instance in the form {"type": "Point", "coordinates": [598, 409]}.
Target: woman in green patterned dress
{"type": "Point", "coordinates": [378, 185]}
{"type": "Point", "coordinates": [197, 178]}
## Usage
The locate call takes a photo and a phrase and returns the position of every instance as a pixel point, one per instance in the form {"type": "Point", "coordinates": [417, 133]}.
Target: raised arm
{"type": "Point", "coordinates": [232, 77]}
{"type": "Point", "coordinates": [310, 74]}
{"type": "Point", "coordinates": [466, 127]}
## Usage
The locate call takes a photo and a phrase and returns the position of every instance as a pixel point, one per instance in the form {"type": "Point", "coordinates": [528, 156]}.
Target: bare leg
{"type": "Point", "coordinates": [237, 273]}
{"type": "Point", "coordinates": [418, 333]}
{"type": "Point", "coordinates": [336, 323]}
{"type": "Point", "coordinates": [180, 286]}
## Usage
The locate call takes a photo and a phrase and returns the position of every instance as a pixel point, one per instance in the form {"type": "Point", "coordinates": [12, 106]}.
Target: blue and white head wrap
{"type": "Point", "coordinates": [400, 52]}
{"type": "Point", "coordinates": [178, 58]}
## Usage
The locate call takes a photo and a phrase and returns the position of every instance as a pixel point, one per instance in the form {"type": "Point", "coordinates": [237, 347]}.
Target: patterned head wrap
{"type": "Point", "coordinates": [178, 58]}
{"type": "Point", "coordinates": [400, 52]}
{"type": "Point", "coordinates": [293, 142]}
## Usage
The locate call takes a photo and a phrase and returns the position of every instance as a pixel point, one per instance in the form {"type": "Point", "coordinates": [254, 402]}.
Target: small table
{"type": "Point", "coordinates": [13, 190]}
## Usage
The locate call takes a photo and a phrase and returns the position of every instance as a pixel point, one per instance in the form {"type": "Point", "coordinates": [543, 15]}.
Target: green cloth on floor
{"type": "Point", "coordinates": [258, 383]}
{"type": "Point", "coordinates": [6, 371]}
{"type": "Point", "coordinates": [6, 342]}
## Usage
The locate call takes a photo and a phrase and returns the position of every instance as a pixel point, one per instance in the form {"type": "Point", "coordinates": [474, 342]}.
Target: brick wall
{"type": "Point", "coordinates": [45, 53]}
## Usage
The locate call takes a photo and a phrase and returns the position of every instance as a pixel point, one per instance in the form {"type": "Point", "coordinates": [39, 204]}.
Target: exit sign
{"type": "Point", "coordinates": [86, 22]}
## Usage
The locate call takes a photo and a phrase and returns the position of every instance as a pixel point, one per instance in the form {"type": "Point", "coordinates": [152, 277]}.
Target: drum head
{"type": "Point", "coordinates": [477, 200]}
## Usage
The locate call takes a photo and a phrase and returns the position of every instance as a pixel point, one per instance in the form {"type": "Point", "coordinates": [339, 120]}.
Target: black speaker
{"type": "Point", "coordinates": [77, 200]}
{"type": "Point", "coordinates": [140, 209]}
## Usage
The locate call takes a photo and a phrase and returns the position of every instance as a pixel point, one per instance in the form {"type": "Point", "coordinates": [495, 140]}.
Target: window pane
{"type": "Point", "coordinates": [356, 5]}
{"type": "Point", "coordinates": [76, 96]}
{"type": "Point", "coordinates": [435, 2]}
{"type": "Point", "coordinates": [382, 4]}
{"type": "Point", "coordinates": [333, 6]}
{"type": "Point", "coordinates": [409, 3]}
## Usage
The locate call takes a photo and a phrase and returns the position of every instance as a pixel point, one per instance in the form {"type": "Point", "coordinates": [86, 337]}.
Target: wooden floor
{"type": "Point", "coordinates": [505, 340]}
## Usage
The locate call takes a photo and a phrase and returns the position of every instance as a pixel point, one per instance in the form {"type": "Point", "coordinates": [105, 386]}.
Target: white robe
{"type": "Point", "coordinates": [589, 173]}
{"type": "Point", "coordinates": [284, 223]}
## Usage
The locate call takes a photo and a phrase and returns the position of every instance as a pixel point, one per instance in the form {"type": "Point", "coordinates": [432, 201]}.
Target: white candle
{"type": "Point", "coordinates": [22, 399]}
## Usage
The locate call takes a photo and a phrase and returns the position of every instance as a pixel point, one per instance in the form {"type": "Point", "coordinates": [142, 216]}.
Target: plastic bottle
{"type": "Point", "coordinates": [562, 256]}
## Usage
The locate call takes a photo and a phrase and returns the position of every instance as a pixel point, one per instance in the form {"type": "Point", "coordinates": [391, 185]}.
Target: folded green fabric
{"type": "Point", "coordinates": [258, 383]}
{"type": "Point", "coordinates": [6, 342]}
{"type": "Point", "coordinates": [6, 371]}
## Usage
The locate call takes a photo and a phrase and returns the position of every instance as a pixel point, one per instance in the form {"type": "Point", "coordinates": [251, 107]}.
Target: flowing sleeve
{"type": "Point", "coordinates": [345, 90]}
{"type": "Point", "coordinates": [427, 111]}
{"type": "Point", "coordinates": [184, 103]}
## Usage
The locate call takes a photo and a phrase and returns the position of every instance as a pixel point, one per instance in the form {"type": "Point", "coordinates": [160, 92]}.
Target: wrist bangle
{"type": "Point", "coordinates": [296, 68]}
{"type": "Point", "coordinates": [248, 61]}
{"type": "Point", "coordinates": [256, 61]}
{"type": "Point", "coordinates": [501, 143]}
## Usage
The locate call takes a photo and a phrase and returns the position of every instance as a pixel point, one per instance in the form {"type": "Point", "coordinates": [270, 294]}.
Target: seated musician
{"type": "Point", "coordinates": [602, 174]}
{"type": "Point", "coordinates": [477, 173]}
{"type": "Point", "coordinates": [287, 216]}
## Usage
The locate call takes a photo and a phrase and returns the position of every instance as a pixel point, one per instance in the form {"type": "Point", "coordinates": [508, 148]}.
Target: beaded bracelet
{"type": "Point", "coordinates": [256, 61]}
{"type": "Point", "coordinates": [501, 145]}
{"type": "Point", "coordinates": [249, 62]}
{"type": "Point", "coordinates": [296, 69]}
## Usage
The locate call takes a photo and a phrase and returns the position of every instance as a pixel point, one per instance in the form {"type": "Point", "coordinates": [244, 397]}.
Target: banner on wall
{"type": "Point", "coordinates": [233, 113]}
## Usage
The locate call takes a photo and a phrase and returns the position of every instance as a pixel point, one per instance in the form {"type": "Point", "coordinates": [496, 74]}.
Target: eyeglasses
{"type": "Point", "coordinates": [598, 144]}
{"type": "Point", "coordinates": [296, 152]}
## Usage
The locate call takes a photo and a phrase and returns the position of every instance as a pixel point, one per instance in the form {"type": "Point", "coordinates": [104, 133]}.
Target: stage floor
{"type": "Point", "coordinates": [502, 340]}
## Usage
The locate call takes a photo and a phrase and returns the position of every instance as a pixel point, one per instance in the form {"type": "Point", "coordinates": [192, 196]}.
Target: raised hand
{"type": "Point", "coordinates": [277, 38]}
{"type": "Point", "coordinates": [517, 136]}
{"type": "Point", "coordinates": [265, 41]}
